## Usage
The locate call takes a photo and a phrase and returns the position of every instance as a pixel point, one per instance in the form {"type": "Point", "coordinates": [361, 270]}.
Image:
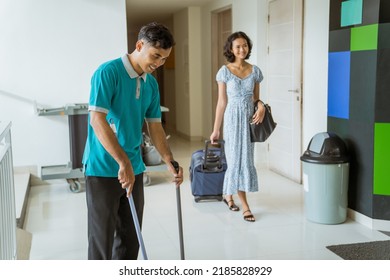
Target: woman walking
{"type": "Point", "coordinates": [238, 91]}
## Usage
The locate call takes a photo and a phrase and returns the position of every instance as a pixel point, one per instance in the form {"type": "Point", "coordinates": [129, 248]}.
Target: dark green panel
{"type": "Point", "coordinates": [371, 11]}
{"type": "Point", "coordinates": [382, 104]}
{"type": "Point", "coordinates": [339, 40]}
{"type": "Point", "coordinates": [384, 36]}
{"type": "Point", "coordinates": [363, 86]}
{"type": "Point", "coordinates": [360, 143]}
{"type": "Point", "coordinates": [335, 15]}
{"type": "Point", "coordinates": [381, 209]}
{"type": "Point", "coordinates": [338, 126]}
{"type": "Point", "coordinates": [359, 139]}
{"type": "Point", "coordinates": [384, 11]}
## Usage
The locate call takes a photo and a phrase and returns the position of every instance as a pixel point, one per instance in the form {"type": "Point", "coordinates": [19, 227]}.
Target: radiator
{"type": "Point", "coordinates": [7, 196]}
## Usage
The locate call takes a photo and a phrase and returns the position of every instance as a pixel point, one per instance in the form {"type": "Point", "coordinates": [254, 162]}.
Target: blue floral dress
{"type": "Point", "coordinates": [241, 173]}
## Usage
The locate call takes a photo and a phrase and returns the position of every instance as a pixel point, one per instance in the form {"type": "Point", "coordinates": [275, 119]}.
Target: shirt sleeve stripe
{"type": "Point", "coordinates": [153, 119]}
{"type": "Point", "coordinates": [97, 109]}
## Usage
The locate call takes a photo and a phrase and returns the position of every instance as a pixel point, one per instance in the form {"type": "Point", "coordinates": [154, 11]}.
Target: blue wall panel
{"type": "Point", "coordinates": [339, 84]}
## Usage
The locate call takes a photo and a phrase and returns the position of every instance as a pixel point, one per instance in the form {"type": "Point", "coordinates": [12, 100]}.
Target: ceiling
{"type": "Point", "coordinates": [142, 11]}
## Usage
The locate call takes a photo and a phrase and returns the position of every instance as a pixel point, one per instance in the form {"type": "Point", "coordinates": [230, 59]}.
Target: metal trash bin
{"type": "Point", "coordinates": [325, 179]}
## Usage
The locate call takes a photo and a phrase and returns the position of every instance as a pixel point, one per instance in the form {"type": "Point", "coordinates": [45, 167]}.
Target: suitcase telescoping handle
{"type": "Point", "coordinates": [221, 156]}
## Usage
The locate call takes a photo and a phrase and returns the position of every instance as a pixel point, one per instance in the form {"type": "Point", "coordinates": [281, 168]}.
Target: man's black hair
{"type": "Point", "coordinates": [157, 35]}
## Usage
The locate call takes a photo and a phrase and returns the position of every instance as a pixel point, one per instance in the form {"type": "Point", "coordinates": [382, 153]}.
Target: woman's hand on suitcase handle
{"type": "Point", "coordinates": [178, 173]}
{"type": "Point", "coordinates": [214, 137]}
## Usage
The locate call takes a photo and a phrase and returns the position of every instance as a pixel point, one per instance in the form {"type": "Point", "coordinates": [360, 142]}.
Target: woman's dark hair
{"type": "Point", "coordinates": [157, 35]}
{"type": "Point", "coordinates": [227, 49]}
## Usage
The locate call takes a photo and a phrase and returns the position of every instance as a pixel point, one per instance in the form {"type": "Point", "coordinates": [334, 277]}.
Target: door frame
{"type": "Point", "coordinates": [219, 33]}
{"type": "Point", "coordinates": [296, 91]}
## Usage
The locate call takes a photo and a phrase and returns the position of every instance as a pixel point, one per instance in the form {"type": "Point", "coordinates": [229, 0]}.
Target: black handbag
{"type": "Point", "coordinates": [260, 132]}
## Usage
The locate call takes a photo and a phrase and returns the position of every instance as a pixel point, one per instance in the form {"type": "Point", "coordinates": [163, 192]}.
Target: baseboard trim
{"type": "Point", "coordinates": [371, 223]}
{"type": "Point", "coordinates": [22, 183]}
{"type": "Point", "coordinates": [23, 244]}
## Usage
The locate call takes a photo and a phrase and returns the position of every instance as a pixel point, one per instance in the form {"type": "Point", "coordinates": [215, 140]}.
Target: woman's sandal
{"type": "Point", "coordinates": [250, 217]}
{"type": "Point", "coordinates": [232, 207]}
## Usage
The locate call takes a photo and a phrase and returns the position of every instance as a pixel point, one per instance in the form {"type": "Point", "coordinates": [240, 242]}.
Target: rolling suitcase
{"type": "Point", "coordinates": [207, 172]}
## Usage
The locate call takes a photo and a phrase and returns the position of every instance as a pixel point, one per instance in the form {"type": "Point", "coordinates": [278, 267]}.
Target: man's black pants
{"type": "Point", "coordinates": [111, 230]}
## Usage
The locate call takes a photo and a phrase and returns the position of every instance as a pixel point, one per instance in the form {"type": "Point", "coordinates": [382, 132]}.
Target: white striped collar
{"type": "Point", "coordinates": [130, 70]}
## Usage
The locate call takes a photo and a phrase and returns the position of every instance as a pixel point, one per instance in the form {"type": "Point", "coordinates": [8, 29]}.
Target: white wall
{"type": "Point", "coordinates": [182, 89]}
{"type": "Point", "coordinates": [195, 72]}
{"type": "Point", "coordinates": [315, 68]}
{"type": "Point", "coordinates": [188, 64]}
{"type": "Point", "coordinates": [207, 76]}
{"type": "Point", "coordinates": [48, 52]}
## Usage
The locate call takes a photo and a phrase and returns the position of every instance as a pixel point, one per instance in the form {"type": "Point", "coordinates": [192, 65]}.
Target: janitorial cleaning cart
{"type": "Point", "coordinates": [78, 123]}
{"type": "Point", "coordinates": [78, 128]}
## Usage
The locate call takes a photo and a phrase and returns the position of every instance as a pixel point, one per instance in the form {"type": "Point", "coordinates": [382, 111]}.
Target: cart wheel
{"type": "Point", "coordinates": [147, 179]}
{"type": "Point", "coordinates": [74, 186]}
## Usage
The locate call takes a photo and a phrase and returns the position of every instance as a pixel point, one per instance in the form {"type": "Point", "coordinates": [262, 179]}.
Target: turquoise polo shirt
{"type": "Point", "coordinates": [128, 100]}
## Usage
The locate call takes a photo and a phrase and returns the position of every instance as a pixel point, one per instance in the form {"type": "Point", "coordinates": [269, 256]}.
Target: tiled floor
{"type": "Point", "coordinates": [57, 219]}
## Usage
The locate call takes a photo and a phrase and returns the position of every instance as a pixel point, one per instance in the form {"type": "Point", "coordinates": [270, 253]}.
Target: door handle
{"type": "Point", "coordinates": [293, 90]}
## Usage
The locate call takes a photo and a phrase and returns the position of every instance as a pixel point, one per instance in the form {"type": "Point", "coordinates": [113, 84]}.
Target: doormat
{"type": "Point", "coordinates": [385, 232]}
{"type": "Point", "coordinates": [375, 250]}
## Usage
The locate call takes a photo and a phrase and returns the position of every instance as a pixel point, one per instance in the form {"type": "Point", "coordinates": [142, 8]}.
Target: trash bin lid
{"type": "Point", "coordinates": [326, 148]}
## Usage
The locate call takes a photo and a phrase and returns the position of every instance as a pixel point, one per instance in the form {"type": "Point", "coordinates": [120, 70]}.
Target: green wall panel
{"type": "Point", "coordinates": [382, 159]}
{"type": "Point", "coordinates": [364, 37]}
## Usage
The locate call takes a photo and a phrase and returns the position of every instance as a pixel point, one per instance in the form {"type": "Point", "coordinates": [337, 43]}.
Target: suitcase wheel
{"type": "Point", "coordinates": [208, 198]}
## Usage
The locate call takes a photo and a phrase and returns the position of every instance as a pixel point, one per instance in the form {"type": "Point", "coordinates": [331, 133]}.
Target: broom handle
{"type": "Point", "coordinates": [179, 216]}
{"type": "Point", "coordinates": [137, 227]}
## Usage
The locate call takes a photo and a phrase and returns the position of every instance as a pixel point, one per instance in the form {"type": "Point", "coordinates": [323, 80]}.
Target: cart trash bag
{"type": "Point", "coordinates": [150, 155]}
